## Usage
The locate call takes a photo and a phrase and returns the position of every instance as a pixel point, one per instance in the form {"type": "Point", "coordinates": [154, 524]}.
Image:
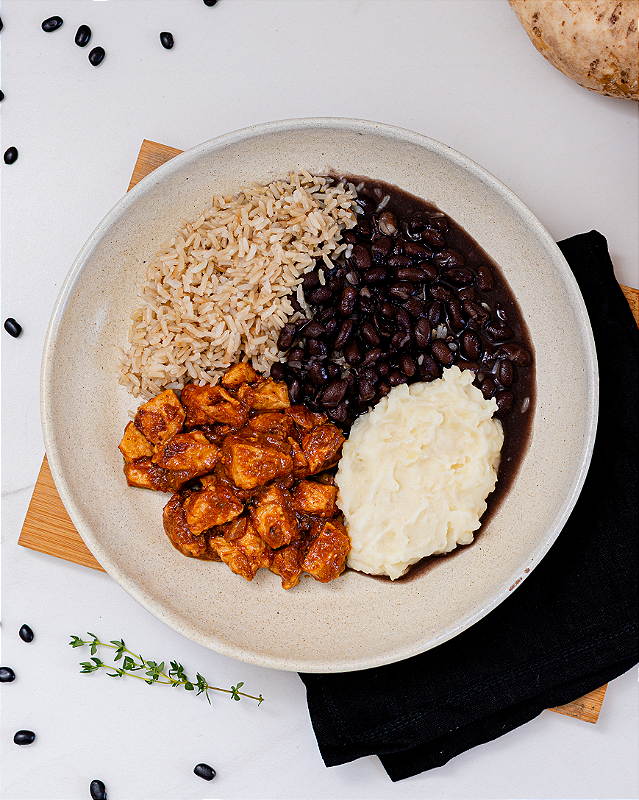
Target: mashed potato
{"type": "Point", "coordinates": [415, 473]}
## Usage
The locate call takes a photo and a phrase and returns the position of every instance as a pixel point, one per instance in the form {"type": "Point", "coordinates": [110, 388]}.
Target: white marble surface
{"type": "Point", "coordinates": [462, 72]}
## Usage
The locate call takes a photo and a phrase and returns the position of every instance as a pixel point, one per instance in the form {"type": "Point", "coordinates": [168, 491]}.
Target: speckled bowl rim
{"type": "Point", "coordinates": [163, 174]}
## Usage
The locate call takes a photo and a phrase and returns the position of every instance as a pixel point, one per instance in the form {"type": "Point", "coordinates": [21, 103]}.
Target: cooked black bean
{"type": "Point", "coordinates": [166, 40]}
{"type": "Point", "coordinates": [278, 371]}
{"type": "Point", "coordinates": [296, 354]}
{"type": "Point", "coordinates": [26, 634]}
{"type": "Point", "coordinates": [381, 248]}
{"type": "Point", "coordinates": [312, 329]}
{"type": "Point", "coordinates": [52, 24]}
{"type": "Point", "coordinates": [457, 319]}
{"type": "Point", "coordinates": [366, 301]}
{"type": "Point", "coordinates": [360, 257]}
{"type": "Point", "coordinates": [459, 276]}
{"type": "Point", "coordinates": [375, 275]}
{"type": "Point", "coordinates": [471, 345]}
{"type": "Point", "coordinates": [485, 280]}
{"type": "Point", "coordinates": [516, 353]}
{"type": "Point", "coordinates": [310, 281]}
{"type": "Point", "coordinates": [24, 737]}
{"type": "Point", "coordinates": [448, 258]}
{"type": "Point", "coordinates": [396, 377]}
{"type": "Point", "coordinates": [388, 310]}
{"type": "Point", "coordinates": [432, 238]}
{"type": "Point", "coordinates": [319, 374]}
{"type": "Point", "coordinates": [506, 372]}
{"type": "Point", "coordinates": [428, 368]}
{"type": "Point", "coordinates": [442, 352]}
{"type": "Point", "coordinates": [498, 332]}
{"type": "Point", "coordinates": [320, 295]}
{"type": "Point", "coordinates": [344, 334]}
{"type": "Point", "coordinates": [399, 262]}
{"type": "Point", "coordinates": [12, 327]}
{"type": "Point", "coordinates": [475, 312]}
{"type": "Point", "coordinates": [407, 365]}
{"type": "Point", "coordinates": [417, 250]}
{"type": "Point", "coordinates": [97, 790]}
{"type": "Point", "coordinates": [403, 320]}
{"type": "Point", "coordinates": [413, 274]}
{"type": "Point", "coordinates": [83, 36]}
{"type": "Point", "coordinates": [370, 334]}
{"type": "Point", "coordinates": [440, 293]}
{"type": "Point", "coordinates": [418, 222]}
{"type": "Point", "coordinates": [336, 283]}
{"type": "Point", "coordinates": [326, 313]}
{"type": "Point", "coordinates": [11, 155]}
{"type": "Point", "coordinates": [203, 770]}
{"type": "Point", "coordinates": [352, 352]}
{"type": "Point", "coordinates": [347, 301]}
{"type": "Point", "coordinates": [398, 248]}
{"type": "Point", "coordinates": [333, 370]}
{"type": "Point", "coordinates": [295, 391]}
{"type": "Point", "coordinates": [401, 290]}
{"type": "Point", "coordinates": [331, 326]}
{"type": "Point", "coordinates": [435, 313]}
{"type": "Point", "coordinates": [287, 334]}
{"type": "Point", "coordinates": [467, 293]}
{"type": "Point", "coordinates": [383, 389]}
{"type": "Point", "coordinates": [504, 402]}
{"type": "Point", "coordinates": [415, 307]}
{"type": "Point", "coordinates": [429, 269]}
{"type": "Point", "coordinates": [364, 229]}
{"type": "Point", "coordinates": [365, 389]}
{"type": "Point", "coordinates": [422, 333]}
{"type": "Point", "coordinates": [316, 347]}
{"type": "Point", "coordinates": [334, 393]}
{"type": "Point", "coordinates": [349, 237]}
{"type": "Point", "coordinates": [353, 278]}
{"type": "Point", "coordinates": [400, 340]}
{"type": "Point", "coordinates": [7, 675]}
{"type": "Point", "coordinates": [463, 364]}
{"type": "Point", "coordinates": [96, 56]}
{"type": "Point", "coordinates": [488, 387]}
{"type": "Point", "coordinates": [339, 413]}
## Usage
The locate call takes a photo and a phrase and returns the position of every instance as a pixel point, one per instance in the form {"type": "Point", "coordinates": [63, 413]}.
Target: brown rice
{"type": "Point", "coordinates": [219, 290]}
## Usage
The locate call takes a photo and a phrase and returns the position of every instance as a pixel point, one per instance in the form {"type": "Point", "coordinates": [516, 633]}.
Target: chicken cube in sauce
{"type": "Point", "coordinates": [189, 452]}
{"type": "Point", "coordinates": [273, 517]}
{"type": "Point", "coordinates": [134, 444]}
{"type": "Point", "coordinates": [326, 557]}
{"type": "Point", "coordinates": [250, 462]}
{"type": "Point", "coordinates": [160, 418]}
{"type": "Point", "coordinates": [211, 507]}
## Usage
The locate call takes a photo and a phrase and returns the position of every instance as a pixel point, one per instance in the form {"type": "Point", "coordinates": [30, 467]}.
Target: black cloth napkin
{"type": "Point", "coordinates": [569, 628]}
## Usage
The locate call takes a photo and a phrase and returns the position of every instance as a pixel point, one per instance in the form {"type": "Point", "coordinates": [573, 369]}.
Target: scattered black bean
{"type": "Point", "coordinates": [442, 352]}
{"type": "Point", "coordinates": [210, 4]}
{"type": "Point", "coordinates": [506, 372]}
{"type": "Point", "coordinates": [12, 327]}
{"type": "Point", "coordinates": [1, 25]}
{"type": "Point", "coordinates": [471, 345]}
{"type": "Point", "coordinates": [166, 39]}
{"type": "Point", "coordinates": [83, 36]}
{"type": "Point", "coordinates": [422, 333]}
{"type": "Point", "coordinates": [11, 155]}
{"type": "Point", "coordinates": [278, 371]}
{"type": "Point", "coordinates": [287, 334]}
{"type": "Point", "coordinates": [98, 790]}
{"type": "Point", "coordinates": [320, 295]}
{"type": "Point", "coordinates": [52, 24]}
{"type": "Point", "coordinates": [485, 280]}
{"type": "Point", "coordinates": [25, 633]}
{"type": "Point", "coordinates": [7, 675]}
{"type": "Point", "coordinates": [96, 56]}
{"type": "Point", "coordinates": [24, 737]}
{"type": "Point", "coordinates": [1, 95]}
{"type": "Point", "coordinates": [360, 257]}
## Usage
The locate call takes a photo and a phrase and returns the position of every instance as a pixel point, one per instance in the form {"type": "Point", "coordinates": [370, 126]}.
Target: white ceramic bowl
{"type": "Point", "coordinates": [356, 621]}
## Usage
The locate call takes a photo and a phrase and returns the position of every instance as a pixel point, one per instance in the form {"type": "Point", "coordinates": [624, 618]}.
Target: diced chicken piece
{"type": "Point", "coordinates": [273, 517]}
{"type": "Point", "coordinates": [244, 555]}
{"type": "Point", "coordinates": [322, 447]}
{"type": "Point", "coordinates": [215, 433]}
{"type": "Point", "coordinates": [210, 507]}
{"type": "Point", "coordinates": [250, 463]}
{"type": "Point", "coordinates": [236, 528]}
{"type": "Point", "coordinates": [206, 405]}
{"type": "Point", "coordinates": [305, 419]}
{"type": "Point", "coordinates": [287, 562]}
{"type": "Point", "coordinates": [317, 499]}
{"type": "Point", "coordinates": [273, 425]}
{"type": "Point", "coordinates": [179, 533]}
{"type": "Point", "coordinates": [134, 444]}
{"type": "Point", "coordinates": [189, 452]}
{"type": "Point", "coordinates": [160, 418]}
{"type": "Point", "coordinates": [239, 373]}
{"type": "Point", "coordinates": [144, 474]}
{"type": "Point", "coordinates": [271, 396]}
{"type": "Point", "coordinates": [300, 464]}
{"type": "Point", "coordinates": [326, 557]}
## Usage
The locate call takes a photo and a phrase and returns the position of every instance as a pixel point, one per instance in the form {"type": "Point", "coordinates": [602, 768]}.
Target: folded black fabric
{"type": "Point", "coordinates": [568, 629]}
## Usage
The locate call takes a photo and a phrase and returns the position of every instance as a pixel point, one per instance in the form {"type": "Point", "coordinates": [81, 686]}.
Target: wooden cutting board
{"type": "Point", "coordinates": [48, 529]}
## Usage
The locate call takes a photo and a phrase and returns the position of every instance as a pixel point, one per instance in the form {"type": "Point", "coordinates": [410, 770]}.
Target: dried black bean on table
{"type": "Point", "coordinates": [24, 737]}
{"type": "Point", "coordinates": [97, 790]}
{"type": "Point", "coordinates": [166, 39]}
{"type": "Point", "coordinates": [415, 295]}
{"type": "Point", "coordinates": [204, 771]}
{"type": "Point", "coordinates": [11, 155]}
{"type": "Point", "coordinates": [52, 24]}
{"type": "Point", "coordinates": [7, 675]}
{"type": "Point", "coordinates": [26, 634]}
{"type": "Point", "coordinates": [96, 56]}
{"type": "Point", "coordinates": [210, 3]}
{"type": "Point", "coordinates": [83, 36]}
{"type": "Point", "coordinates": [1, 95]}
{"type": "Point", "coordinates": [12, 327]}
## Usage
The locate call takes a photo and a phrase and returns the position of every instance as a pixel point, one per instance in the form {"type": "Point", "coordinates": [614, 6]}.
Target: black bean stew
{"type": "Point", "coordinates": [413, 295]}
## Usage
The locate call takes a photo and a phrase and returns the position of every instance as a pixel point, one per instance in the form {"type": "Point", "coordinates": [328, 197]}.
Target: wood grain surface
{"type": "Point", "coordinates": [48, 528]}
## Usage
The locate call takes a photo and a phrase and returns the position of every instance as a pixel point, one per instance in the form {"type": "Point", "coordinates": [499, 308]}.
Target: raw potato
{"type": "Point", "coordinates": [594, 42]}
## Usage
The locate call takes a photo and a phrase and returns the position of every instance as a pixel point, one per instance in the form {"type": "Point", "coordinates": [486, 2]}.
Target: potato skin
{"type": "Point", "coordinates": [594, 42]}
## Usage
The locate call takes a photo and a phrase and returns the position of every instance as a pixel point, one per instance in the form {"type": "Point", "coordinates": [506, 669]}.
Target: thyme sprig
{"type": "Point", "coordinates": [154, 672]}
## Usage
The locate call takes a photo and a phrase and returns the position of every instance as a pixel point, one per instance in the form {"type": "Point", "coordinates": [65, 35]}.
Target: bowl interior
{"type": "Point", "coordinates": [354, 622]}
